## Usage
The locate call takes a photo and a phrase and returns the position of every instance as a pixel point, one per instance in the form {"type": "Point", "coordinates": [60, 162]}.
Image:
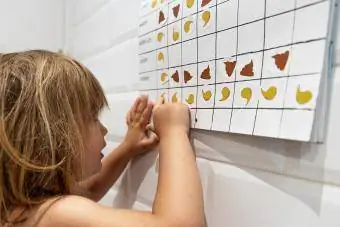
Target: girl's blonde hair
{"type": "Point", "coordinates": [46, 100]}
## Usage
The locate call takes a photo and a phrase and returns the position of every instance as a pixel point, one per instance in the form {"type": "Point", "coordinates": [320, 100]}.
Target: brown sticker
{"type": "Point", "coordinates": [175, 76]}
{"type": "Point", "coordinates": [206, 74]}
{"type": "Point", "coordinates": [230, 67]}
{"type": "Point", "coordinates": [281, 60]}
{"type": "Point", "coordinates": [248, 70]}
{"type": "Point", "coordinates": [175, 10]}
{"type": "Point", "coordinates": [161, 17]}
{"type": "Point", "coordinates": [205, 2]}
{"type": "Point", "coordinates": [187, 76]}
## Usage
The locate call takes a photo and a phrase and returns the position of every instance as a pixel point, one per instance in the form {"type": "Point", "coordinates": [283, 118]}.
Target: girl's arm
{"type": "Point", "coordinates": [135, 142]}
{"type": "Point", "coordinates": [179, 192]}
{"type": "Point", "coordinates": [178, 201]}
{"type": "Point", "coordinates": [112, 167]}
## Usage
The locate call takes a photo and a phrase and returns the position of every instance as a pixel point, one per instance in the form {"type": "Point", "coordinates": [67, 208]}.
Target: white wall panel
{"type": "Point", "coordinates": [123, 23]}
{"type": "Point", "coordinates": [92, 35]}
{"type": "Point", "coordinates": [116, 68]}
{"type": "Point", "coordinates": [35, 24]}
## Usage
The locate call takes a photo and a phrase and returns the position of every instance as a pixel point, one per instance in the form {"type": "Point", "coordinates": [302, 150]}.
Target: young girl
{"type": "Point", "coordinates": [52, 171]}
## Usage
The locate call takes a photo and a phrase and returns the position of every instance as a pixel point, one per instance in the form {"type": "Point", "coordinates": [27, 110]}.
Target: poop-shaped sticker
{"type": "Point", "coordinates": [225, 94]}
{"type": "Point", "coordinates": [206, 74]}
{"type": "Point", "coordinates": [246, 93]}
{"type": "Point", "coordinates": [175, 76]}
{"type": "Point", "coordinates": [270, 93]}
{"type": "Point", "coordinates": [175, 10]}
{"type": "Point", "coordinates": [248, 70]}
{"type": "Point", "coordinates": [303, 97]}
{"type": "Point", "coordinates": [205, 2]}
{"type": "Point", "coordinates": [230, 67]}
{"type": "Point", "coordinates": [281, 60]}
{"type": "Point", "coordinates": [187, 76]}
{"type": "Point", "coordinates": [161, 17]}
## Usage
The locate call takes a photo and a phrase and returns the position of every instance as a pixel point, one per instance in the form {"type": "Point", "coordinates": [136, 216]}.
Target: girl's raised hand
{"type": "Point", "coordinates": [138, 138]}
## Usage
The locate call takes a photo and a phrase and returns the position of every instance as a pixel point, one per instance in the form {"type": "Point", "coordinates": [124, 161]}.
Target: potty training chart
{"type": "Point", "coordinates": [254, 67]}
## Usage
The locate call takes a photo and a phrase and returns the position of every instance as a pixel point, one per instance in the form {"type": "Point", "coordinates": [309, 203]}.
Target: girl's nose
{"type": "Point", "coordinates": [104, 129]}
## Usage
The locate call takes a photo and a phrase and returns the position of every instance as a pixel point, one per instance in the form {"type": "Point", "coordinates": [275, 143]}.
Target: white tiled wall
{"type": "Point", "coordinates": [31, 24]}
{"type": "Point", "coordinates": [247, 181]}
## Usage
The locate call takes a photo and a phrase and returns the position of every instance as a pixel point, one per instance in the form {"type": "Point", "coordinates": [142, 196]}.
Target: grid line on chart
{"type": "Point", "coordinates": [237, 81]}
{"type": "Point", "coordinates": [237, 55]}
{"type": "Point", "coordinates": [237, 37]}
{"type": "Point", "coordinates": [175, 21]}
{"type": "Point", "coordinates": [181, 81]}
{"type": "Point", "coordinates": [196, 95]}
{"type": "Point", "coordinates": [213, 113]}
{"type": "Point", "coordinates": [240, 25]}
{"type": "Point", "coordinates": [155, 10]}
{"type": "Point", "coordinates": [284, 99]}
{"type": "Point", "coordinates": [252, 108]}
{"type": "Point", "coordinates": [264, 45]}
{"type": "Point", "coordinates": [167, 33]}
{"type": "Point", "coordinates": [246, 109]}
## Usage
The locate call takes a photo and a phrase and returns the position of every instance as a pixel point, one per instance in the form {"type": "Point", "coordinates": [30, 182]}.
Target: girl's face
{"type": "Point", "coordinates": [94, 144]}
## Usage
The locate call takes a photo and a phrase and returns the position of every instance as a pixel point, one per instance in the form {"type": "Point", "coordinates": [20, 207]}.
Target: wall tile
{"type": "Point", "coordinates": [116, 68]}
{"type": "Point", "coordinates": [124, 21]}
{"type": "Point", "coordinates": [244, 197]}
{"type": "Point", "coordinates": [36, 24]}
{"type": "Point", "coordinates": [91, 36]}
{"type": "Point", "coordinates": [85, 9]}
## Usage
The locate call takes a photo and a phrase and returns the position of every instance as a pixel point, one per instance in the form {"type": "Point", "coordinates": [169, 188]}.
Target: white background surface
{"type": "Point", "coordinates": [248, 181]}
{"type": "Point", "coordinates": [31, 24]}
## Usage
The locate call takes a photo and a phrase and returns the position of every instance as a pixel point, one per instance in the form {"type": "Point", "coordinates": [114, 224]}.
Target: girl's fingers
{"type": "Point", "coordinates": [140, 109]}
{"type": "Point", "coordinates": [128, 118]}
{"type": "Point", "coordinates": [145, 118]}
{"type": "Point", "coordinates": [150, 142]}
{"type": "Point", "coordinates": [133, 109]}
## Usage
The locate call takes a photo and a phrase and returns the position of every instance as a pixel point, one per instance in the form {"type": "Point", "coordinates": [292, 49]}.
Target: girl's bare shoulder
{"type": "Point", "coordinates": [75, 211]}
{"type": "Point", "coordinates": [64, 211]}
